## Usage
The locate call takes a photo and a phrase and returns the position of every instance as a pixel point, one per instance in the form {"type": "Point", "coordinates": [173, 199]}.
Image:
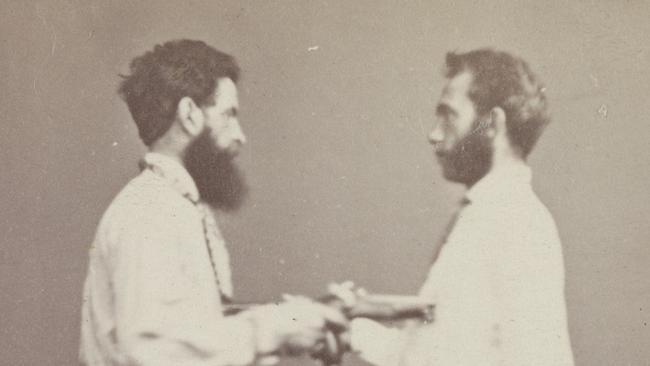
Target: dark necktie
{"type": "Point", "coordinates": [219, 257]}
{"type": "Point", "coordinates": [449, 228]}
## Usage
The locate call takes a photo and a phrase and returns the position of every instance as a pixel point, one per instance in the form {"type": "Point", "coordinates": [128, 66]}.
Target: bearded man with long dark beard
{"type": "Point", "coordinates": [159, 270]}
{"type": "Point", "coordinates": [498, 281]}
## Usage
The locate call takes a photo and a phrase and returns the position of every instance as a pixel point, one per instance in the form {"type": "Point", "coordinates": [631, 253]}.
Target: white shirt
{"type": "Point", "coordinates": [150, 296]}
{"type": "Point", "coordinates": [498, 286]}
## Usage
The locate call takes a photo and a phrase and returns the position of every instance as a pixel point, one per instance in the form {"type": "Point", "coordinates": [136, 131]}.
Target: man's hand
{"type": "Point", "coordinates": [361, 307]}
{"type": "Point", "coordinates": [358, 303]}
{"type": "Point", "coordinates": [299, 325]}
{"type": "Point", "coordinates": [296, 326]}
{"type": "Point", "coordinates": [347, 293]}
{"type": "Point", "coordinates": [347, 298]}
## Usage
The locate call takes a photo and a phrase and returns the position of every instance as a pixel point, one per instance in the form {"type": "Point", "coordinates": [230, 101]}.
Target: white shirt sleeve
{"type": "Point", "coordinates": [376, 343]}
{"type": "Point", "coordinates": [530, 284]}
{"type": "Point", "coordinates": [385, 346]}
{"type": "Point", "coordinates": [498, 286]}
{"type": "Point", "coordinates": [160, 316]}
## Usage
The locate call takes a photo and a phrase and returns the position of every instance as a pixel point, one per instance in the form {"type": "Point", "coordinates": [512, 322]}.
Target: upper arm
{"type": "Point", "coordinates": [530, 293]}
{"type": "Point", "coordinates": [147, 264]}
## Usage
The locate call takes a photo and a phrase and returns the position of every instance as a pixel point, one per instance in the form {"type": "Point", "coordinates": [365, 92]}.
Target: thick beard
{"type": "Point", "coordinates": [219, 180]}
{"type": "Point", "coordinates": [470, 159]}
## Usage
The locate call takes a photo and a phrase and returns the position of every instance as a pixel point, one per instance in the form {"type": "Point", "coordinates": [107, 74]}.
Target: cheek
{"type": "Point", "coordinates": [223, 137]}
{"type": "Point", "coordinates": [217, 128]}
{"type": "Point", "coordinates": [459, 132]}
{"type": "Point", "coordinates": [215, 135]}
{"type": "Point", "coordinates": [221, 140]}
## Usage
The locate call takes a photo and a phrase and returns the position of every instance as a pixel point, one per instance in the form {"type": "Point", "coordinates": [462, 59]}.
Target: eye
{"type": "Point", "coordinates": [445, 113]}
{"type": "Point", "coordinates": [230, 113]}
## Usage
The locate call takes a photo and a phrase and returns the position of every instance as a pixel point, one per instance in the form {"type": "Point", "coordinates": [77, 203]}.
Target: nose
{"type": "Point", "coordinates": [436, 136]}
{"type": "Point", "coordinates": [238, 133]}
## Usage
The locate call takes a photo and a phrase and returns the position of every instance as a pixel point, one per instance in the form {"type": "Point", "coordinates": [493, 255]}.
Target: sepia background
{"type": "Point", "coordinates": [337, 99]}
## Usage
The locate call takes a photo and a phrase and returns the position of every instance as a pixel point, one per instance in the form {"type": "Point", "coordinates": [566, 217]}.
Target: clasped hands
{"type": "Point", "coordinates": [299, 325]}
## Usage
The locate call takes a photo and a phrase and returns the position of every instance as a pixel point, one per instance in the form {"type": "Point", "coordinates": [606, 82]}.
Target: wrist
{"type": "Point", "coordinates": [265, 337]}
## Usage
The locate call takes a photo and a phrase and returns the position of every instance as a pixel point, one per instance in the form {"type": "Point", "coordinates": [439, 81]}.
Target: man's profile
{"type": "Point", "coordinates": [498, 281]}
{"type": "Point", "coordinates": [159, 271]}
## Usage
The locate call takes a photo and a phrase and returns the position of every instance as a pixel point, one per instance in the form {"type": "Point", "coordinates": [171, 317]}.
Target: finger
{"type": "Point", "coordinates": [335, 320]}
{"type": "Point", "coordinates": [345, 340]}
{"type": "Point", "coordinates": [332, 352]}
{"type": "Point", "coordinates": [348, 285]}
{"type": "Point", "coordinates": [332, 343]}
{"type": "Point", "coordinates": [306, 340]}
{"type": "Point", "coordinates": [361, 292]}
{"type": "Point", "coordinates": [344, 293]}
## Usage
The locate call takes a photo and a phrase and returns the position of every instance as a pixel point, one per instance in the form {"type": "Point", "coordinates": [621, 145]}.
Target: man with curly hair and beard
{"type": "Point", "coordinates": [159, 271]}
{"type": "Point", "coordinates": [498, 279]}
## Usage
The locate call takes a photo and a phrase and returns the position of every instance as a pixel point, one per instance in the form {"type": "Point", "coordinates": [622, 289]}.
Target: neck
{"type": "Point", "coordinates": [506, 161]}
{"type": "Point", "coordinates": [503, 157]}
{"type": "Point", "coordinates": [172, 144]}
{"type": "Point", "coordinates": [504, 154]}
{"type": "Point", "coordinates": [170, 147]}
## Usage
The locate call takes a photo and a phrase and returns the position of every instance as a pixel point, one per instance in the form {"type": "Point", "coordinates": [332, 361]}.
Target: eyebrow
{"type": "Point", "coordinates": [232, 111]}
{"type": "Point", "coordinates": [444, 110]}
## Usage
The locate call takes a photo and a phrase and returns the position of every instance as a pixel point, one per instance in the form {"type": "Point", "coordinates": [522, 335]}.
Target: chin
{"type": "Point", "coordinates": [448, 172]}
{"type": "Point", "coordinates": [453, 177]}
{"type": "Point", "coordinates": [457, 176]}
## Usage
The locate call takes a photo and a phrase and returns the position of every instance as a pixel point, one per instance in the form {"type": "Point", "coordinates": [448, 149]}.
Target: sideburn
{"type": "Point", "coordinates": [472, 156]}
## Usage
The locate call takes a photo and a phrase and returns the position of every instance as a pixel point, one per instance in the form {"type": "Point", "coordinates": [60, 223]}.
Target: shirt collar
{"type": "Point", "coordinates": [174, 172]}
{"type": "Point", "coordinates": [500, 183]}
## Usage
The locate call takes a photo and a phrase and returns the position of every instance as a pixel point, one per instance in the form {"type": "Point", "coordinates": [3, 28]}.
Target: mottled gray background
{"type": "Point", "coordinates": [337, 100]}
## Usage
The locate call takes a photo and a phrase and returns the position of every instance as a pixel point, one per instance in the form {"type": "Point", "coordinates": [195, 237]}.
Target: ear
{"type": "Point", "coordinates": [497, 124]}
{"type": "Point", "coordinates": [190, 116]}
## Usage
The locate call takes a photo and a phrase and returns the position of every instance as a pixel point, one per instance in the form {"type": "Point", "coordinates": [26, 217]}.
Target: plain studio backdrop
{"type": "Point", "coordinates": [337, 99]}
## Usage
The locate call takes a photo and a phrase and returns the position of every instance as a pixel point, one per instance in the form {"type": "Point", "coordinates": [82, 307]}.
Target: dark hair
{"type": "Point", "coordinates": [160, 78]}
{"type": "Point", "coordinates": [503, 80]}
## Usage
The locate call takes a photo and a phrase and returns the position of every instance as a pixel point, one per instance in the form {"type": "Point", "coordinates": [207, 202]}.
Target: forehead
{"type": "Point", "coordinates": [456, 90]}
{"type": "Point", "coordinates": [226, 93]}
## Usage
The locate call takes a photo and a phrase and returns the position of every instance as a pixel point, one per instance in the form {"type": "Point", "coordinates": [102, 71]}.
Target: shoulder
{"type": "Point", "coordinates": [532, 242]}
{"type": "Point", "coordinates": [518, 212]}
{"type": "Point", "coordinates": [516, 228]}
{"type": "Point", "coordinates": [147, 204]}
{"type": "Point", "coordinates": [539, 219]}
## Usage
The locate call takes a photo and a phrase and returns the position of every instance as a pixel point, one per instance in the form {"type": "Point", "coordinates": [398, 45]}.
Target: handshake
{"type": "Point", "coordinates": [320, 327]}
